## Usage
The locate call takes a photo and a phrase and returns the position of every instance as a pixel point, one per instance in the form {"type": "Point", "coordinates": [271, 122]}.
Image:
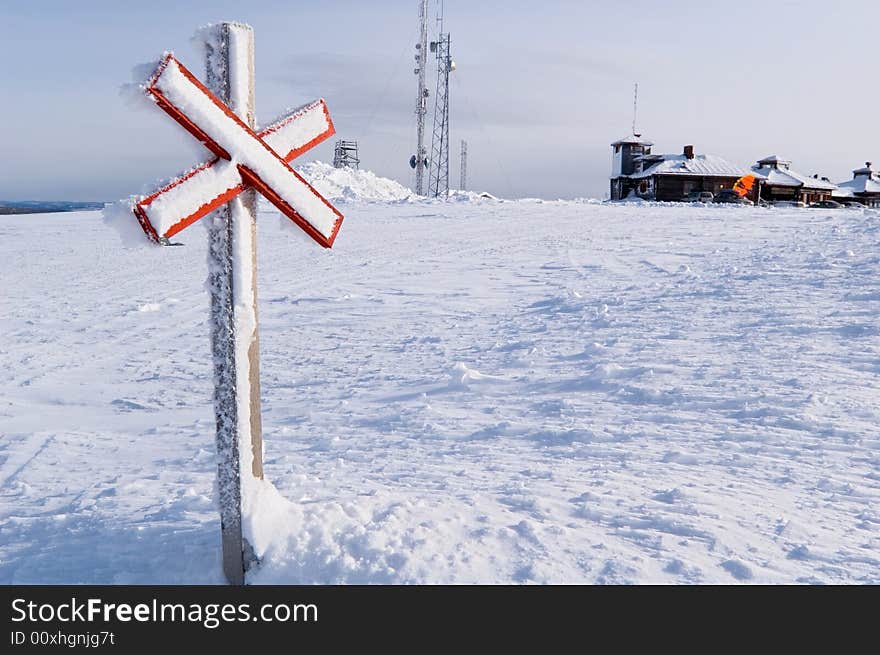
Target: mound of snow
{"type": "Point", "coordinates": [457, 195]}
{"type": "Point", "coordinates": [351, 184]}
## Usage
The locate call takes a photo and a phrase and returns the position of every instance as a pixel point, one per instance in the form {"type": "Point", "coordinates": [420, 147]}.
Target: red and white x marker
{"type": "Point", "coordinates": [244, 158]}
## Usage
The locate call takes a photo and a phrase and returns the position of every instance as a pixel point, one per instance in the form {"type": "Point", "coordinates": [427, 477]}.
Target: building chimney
{"type": "Point", "coordinates": [689, 152]}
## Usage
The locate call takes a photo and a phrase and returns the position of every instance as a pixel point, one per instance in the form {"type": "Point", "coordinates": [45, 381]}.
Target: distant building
{"type": "Point", "coordinates": [636, 172]}
{"type": "Point", "coordinates": [777, 181]}
{"type": "Point", "coordinates": [863, 188]}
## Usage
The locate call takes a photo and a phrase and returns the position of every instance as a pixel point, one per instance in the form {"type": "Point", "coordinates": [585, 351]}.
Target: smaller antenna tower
{"type": "Point", "coordinates": [345, 155]}
{"type": "Point", "coordinates": [462, 180]}
{"type": "Point", "coordinates": [438, 175]}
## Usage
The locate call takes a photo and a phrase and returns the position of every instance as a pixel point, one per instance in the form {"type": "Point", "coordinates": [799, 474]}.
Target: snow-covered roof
{"type": "Point", "coordinates": [774, 159]}
{"type": "Point", "coordinates": [633, 138]}
{"type": "Point", "coordinates": [862, 184]}
{"type": "Point", "coordinates": [786, 177]}
{"type": "Point", "coordinates": [703, 165]}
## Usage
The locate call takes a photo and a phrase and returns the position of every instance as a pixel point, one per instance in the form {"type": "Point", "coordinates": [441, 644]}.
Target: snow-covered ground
{"type": "Point", "coordinates": [471, 391]}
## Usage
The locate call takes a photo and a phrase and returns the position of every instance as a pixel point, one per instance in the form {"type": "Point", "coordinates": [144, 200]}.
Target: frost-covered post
{"type": "Point", "coordinates": [232, 281]}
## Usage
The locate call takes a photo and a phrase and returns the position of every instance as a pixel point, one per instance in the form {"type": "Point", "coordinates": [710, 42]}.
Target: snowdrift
{"type": "Point", "coordinates": [348, 184]}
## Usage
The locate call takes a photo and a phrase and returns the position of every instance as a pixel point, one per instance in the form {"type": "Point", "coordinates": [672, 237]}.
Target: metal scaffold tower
{"type": "Point", "coordinates": [419, 161]}
{"type": "Point", "coordinates": [345, 155]}
{"type": "Point", "coordinates": [438, 183]}
{"type": "Point", "coordinates": [462, 179]}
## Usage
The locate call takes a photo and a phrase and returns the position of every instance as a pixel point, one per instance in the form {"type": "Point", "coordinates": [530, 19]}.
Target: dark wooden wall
{"type": "Point", "coordinates": [676, 187]}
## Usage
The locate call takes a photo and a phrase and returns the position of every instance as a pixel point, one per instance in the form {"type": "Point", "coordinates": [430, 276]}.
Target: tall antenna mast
{"type": "Point", "coordinates": [635, 107]}
{"type": "Point", "coordinates": [462, 180]}
{"type": "Point", "coordinates": [438, 181]}
{"type": "Point", "coordinates": [419, 160]}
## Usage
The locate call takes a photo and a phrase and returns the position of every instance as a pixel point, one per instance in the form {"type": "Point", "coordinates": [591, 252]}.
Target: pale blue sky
{"type": "Point", "coordinates": [540, 91]}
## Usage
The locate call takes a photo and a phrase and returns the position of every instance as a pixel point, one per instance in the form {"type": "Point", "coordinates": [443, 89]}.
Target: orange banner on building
{"type": "Point", "coordinates": [744, 185]}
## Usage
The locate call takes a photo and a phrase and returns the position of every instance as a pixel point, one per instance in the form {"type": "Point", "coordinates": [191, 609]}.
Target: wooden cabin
{"type": "Point", "coordinates": [671, 177]}
{"type": "Point", "coordinates": [863, 188]}
{"type": "Point", "coordinates": [777, 181]}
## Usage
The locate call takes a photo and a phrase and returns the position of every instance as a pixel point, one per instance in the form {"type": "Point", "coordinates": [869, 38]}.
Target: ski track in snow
{"type": "Point", "coordinates": [458, 392]}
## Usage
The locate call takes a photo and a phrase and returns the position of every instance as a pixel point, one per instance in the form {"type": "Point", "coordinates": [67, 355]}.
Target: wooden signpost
{"type": "Point", "coordinates": [220, 114]}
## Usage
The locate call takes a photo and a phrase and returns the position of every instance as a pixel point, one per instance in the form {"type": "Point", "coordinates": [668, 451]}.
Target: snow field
{"type": "Point", "coordinates": [457, 392]}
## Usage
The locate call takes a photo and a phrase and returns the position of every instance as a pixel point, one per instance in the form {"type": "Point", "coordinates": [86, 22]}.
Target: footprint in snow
{"type": "Point", "coordinates": [668, 496]}
{"type": "Point", "coordinates": [675, 457]}
{"type": "Point", "coordinates": [737, 569]}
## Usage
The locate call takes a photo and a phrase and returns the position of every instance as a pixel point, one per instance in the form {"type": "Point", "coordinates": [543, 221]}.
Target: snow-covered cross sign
{"type": "Point", "coordinates": [220, 114]}
{"type": "Point", "coordinates": [244, 159]}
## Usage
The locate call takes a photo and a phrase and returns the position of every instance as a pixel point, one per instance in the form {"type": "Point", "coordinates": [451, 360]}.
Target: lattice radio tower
{"type": "Point", "coordinates": [438, 182]}
{"type": "Point", "coordinates": [419, 161]}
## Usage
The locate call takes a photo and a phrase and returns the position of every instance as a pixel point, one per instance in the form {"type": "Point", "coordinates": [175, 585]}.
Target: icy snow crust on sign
{"type": "Point", "coordinates": [243, 148]}
{"type": "Point", "coordinates": [298, 128]}
{"type": "Point", "coordinates": [240, 68]}
{"type": "Point", "coordinates": [120, 217]}
{"type": "Point", "coordinates": [467, 392]}
{"type": "Point", "coordinates": [185, 197]}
